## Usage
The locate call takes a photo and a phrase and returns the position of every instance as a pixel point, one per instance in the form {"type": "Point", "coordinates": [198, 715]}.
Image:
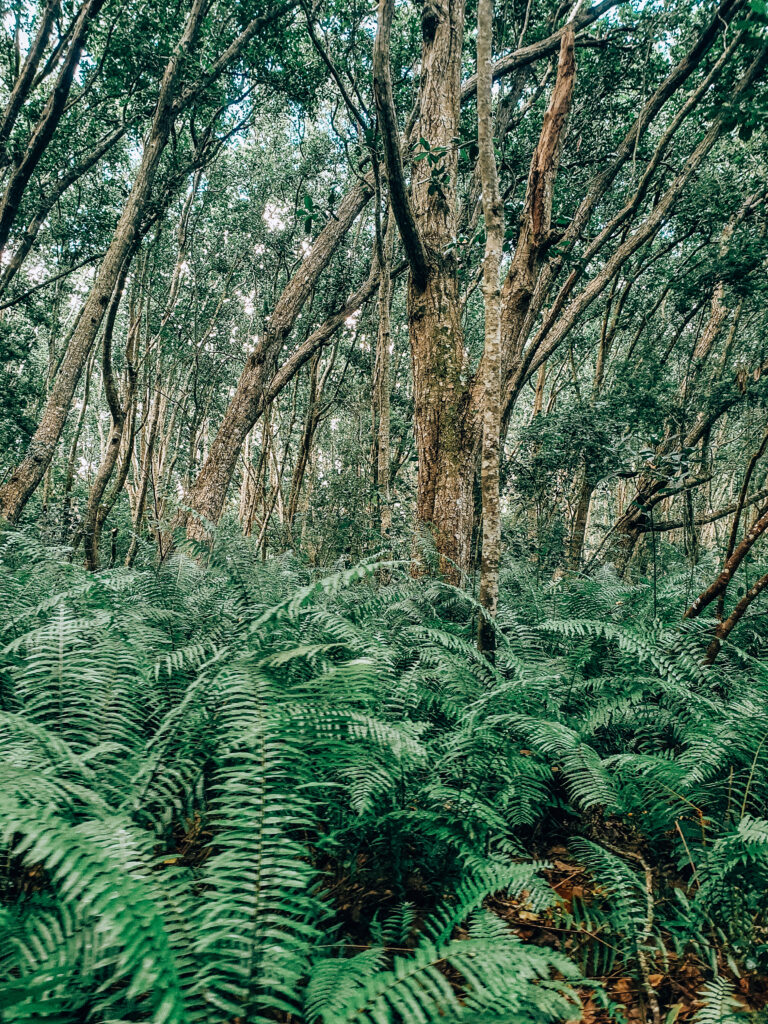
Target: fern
{"type": "Point", "coordinates": [237, 791]}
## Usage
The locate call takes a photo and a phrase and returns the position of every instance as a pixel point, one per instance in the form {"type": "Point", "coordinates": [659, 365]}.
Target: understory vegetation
{"type": "Point", "coordinates": [243, 792]}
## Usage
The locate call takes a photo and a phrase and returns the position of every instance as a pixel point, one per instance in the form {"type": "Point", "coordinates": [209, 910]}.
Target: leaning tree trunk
{"type": "Point", "coordinates": [724, 628]}
{"type": "Point", "coordinates": [28, 474]}
{"type": "Point", "coordinates": [44, 130]}
{"type": "Point", "coordinates": [25, 79]}
{"type": "Point", "coordinates": [206, 498]}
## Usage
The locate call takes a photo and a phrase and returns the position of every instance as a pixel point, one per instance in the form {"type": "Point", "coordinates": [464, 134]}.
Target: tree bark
{"type": "Point", "coordinates": [24, 242]}
{"type": "Point", "coordinates": [535, 236]}
{"type": "Point", "coordinates": [742, 498]}
{"type": "Point", "coordinates": [718, 586]}
{"type": "Point", "coordinates": [580, 518]}
{"type": "Point", "coordinates": [427, 221]}
{"type": "Point", "coordinates": [317, 383]}
{"type": "Point", "coordinates": [526, 55]}
{"type": "Point", "coordinates": [552, 334]}
{"type": "Point", "coordinates": [519, 363]}
{"type": "Point", "coordinates": [493, 211]}
{"type": "Point", "coordinates": [69, 478]}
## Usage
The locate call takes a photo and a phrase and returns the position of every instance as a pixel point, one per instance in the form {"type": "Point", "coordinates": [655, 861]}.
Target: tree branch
{"type": "Point", "coordinates": [385, 105]}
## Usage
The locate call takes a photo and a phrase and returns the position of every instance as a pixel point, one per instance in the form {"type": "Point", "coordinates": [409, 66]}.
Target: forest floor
{"type": "Point", "coordinates": [676, 981]}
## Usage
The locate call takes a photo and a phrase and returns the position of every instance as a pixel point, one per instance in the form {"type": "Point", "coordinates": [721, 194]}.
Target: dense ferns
{"type": "Point", "coordinates": [202, 762]}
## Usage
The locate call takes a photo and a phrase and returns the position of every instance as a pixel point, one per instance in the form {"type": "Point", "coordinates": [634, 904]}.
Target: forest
{"type": "Point", "coordinates": [383, 483]}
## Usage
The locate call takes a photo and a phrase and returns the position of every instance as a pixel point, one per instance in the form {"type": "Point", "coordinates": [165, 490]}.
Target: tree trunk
{"type": "Point", "coordinates": [49, 120]}
{"type": "Point", "coordinates": [311, 421]}
{"type": "Point", "coordinates": [206, 498]}
{"type": "Point", "coordinates": [580, 518]}
{"type": "Point", "coordinates": [381, 385]}
{"type": "Point", "coordinates": [69, 478]}
{"type": "Point", "coordinates": [731, 564]}
{"type": "Point", "coordinates": [24, 81]}
{"type": "Point", "coordinates": [95, 513]}
{"type": "Point", "coordinates": [725, 627]}
{"type": "Point", "coordinates": [24, 241]}
{"type": "Point", "coordinates": [427, 222]}
{"type": "Point", "coordinates": [494, 238]}
{"type": "Point", "coordinates": [17, 491]}
{"type": "Point", "coordinates": [535, 235]}
{"type": "Point", "coordinates": [144, 475]}
{"type": "Point", "coordinates": [740, 503]}
{"type": "Point", "coordinates": [445, 445]}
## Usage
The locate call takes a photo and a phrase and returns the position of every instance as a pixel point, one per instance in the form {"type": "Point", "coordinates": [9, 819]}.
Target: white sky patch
{"type": "Point", "coordinates": [247, 301]}
{"type": "Point", "coordinates": [274, 216]}
{"type": "Point", "coordinates": [36, 271]}
{"type": "Point", "coordinates": [86, 466]}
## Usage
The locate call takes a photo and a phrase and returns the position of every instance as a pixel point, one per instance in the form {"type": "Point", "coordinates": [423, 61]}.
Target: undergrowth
{"type": "Point", "coordinates": [241, 792]}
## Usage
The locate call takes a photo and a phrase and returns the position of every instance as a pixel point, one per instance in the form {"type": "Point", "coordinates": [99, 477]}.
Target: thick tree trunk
{"type": "Point", "coordinates": [445, 438]}
{"type": "Point", "coordinates": [445, 445]}
{"type": "Point", "coordinates": [427, 222]}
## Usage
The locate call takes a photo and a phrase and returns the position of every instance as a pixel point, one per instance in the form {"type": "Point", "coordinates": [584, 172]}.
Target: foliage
{"type": "Point", "coordinates": [206, 767]}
